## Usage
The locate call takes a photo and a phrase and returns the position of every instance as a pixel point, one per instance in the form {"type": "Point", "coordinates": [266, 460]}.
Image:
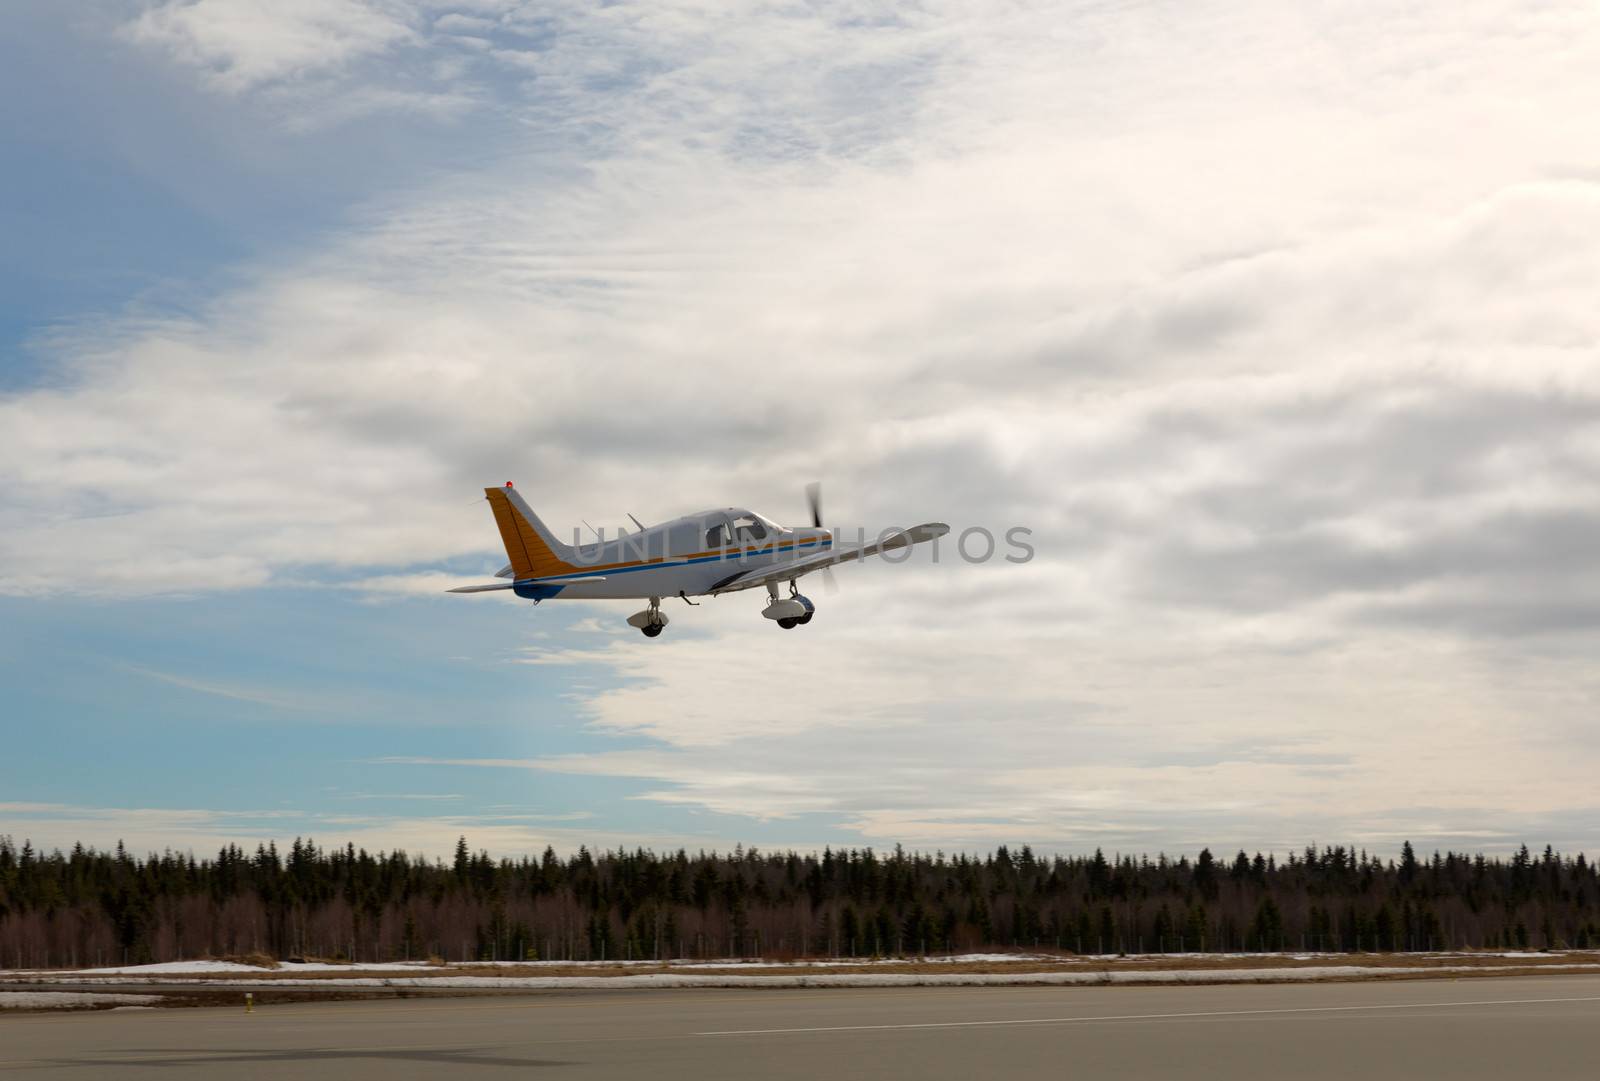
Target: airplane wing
{"type": "Point", "coordinates": [794, 568]}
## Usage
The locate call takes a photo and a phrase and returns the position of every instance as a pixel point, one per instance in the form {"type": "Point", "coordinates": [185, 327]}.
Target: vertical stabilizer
{"type": "Point", "coordinates": [533, 550]}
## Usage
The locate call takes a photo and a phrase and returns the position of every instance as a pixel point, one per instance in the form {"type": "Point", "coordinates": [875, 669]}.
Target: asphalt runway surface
{"type": "Point", "coordinates": [1533, 1028]}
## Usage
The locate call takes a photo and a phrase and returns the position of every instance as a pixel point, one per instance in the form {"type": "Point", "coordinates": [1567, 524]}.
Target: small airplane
{"type": "Point", "coordinates": [706, 554]}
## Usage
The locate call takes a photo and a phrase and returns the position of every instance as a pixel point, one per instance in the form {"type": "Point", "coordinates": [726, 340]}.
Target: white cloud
{"type": "Point", "coordinates": [427, 584]}
{"type": "Point", "coordinates": [457, 23]}
{"type": "Point", "coordinates": [1120, 732]}
{"type": "Point", "coordinates": [242, 44]}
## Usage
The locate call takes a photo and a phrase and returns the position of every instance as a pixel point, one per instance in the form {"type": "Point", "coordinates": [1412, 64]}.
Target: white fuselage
{"type": "Point", "coordinates": [688, 556]}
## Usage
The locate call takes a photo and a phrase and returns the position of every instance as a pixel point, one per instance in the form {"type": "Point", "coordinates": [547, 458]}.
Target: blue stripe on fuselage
{"type": "Point", "coordinates": [719, 558]}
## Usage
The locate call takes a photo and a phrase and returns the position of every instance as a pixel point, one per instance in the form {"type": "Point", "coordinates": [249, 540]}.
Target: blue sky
{"type": "Point", "coordinates": [1275, 326]}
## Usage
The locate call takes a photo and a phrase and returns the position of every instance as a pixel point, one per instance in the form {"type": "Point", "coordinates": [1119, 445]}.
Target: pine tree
{"type": "Point", "coordinates": [849, 932]}
{"type": "Point", "coordinates": [1194, 931]}
{"type": "Point", "coordinates": [1267, 927]}
{"type": "Point", "coordinates": [1161, 930]}
{"type": "Point", "coordinates": [1408, 864]}
{"type": "Point", "coordinates": [1205, 875]}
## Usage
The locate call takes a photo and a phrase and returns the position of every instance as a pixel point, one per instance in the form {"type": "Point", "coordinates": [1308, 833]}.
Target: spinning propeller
{"type": "Point", "coordinates": [814, 500]}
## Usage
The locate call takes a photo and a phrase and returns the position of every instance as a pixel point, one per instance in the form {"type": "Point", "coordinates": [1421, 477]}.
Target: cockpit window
{"type": "Point", "coordinates": [737, 528]}
{"type": "Point", "coordinates": [748, 529]}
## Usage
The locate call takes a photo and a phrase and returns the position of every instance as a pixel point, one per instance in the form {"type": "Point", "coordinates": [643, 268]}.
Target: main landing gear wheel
{"type": "Point", "coordinates": [650, 621]}
{"type": "Point", "coordinates": [788, 613]}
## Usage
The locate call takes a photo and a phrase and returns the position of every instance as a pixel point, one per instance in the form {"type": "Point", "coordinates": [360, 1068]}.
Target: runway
{"type": "Point", "coordinates": [1530, 1028]}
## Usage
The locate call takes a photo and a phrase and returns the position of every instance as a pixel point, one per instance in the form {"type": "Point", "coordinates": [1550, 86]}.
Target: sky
{"type": "Point", "coordinates": [1276, 325]}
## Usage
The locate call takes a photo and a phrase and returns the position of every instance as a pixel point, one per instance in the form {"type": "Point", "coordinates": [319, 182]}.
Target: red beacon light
{"type": "Point", "coordinates": [508, 484]}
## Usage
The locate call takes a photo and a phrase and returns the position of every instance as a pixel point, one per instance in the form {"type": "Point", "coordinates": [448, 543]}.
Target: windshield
{"type": "Point", "coordinates": [747, 529]}
{"type": "Point", "coordinates": [740, 528]}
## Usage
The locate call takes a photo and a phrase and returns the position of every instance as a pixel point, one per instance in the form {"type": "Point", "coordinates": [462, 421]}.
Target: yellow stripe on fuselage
{"type": "Point", "coordinates": [667, 561]}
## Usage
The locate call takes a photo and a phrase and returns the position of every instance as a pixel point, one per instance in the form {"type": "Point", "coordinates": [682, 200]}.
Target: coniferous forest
{"type": "Point", "coordinates": [93, 908]}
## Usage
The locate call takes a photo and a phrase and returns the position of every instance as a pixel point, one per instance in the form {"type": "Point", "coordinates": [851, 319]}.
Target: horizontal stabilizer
{"type": "Point", "coordinates": [541, 582]}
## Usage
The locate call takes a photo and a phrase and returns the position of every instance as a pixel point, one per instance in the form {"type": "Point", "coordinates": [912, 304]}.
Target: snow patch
{"type": "Point", "coordinates": [866, 962]}
{"type": "Point", "coordinates": [204, 968]}
{"type": "Point", "coordinates": [67, 1000]}
{"type": "Point", "coordinates": [289, 968]}
{"type": "Point", "coordinates": [923, 979]}
{"type": "Point", "coordinates": [173, 968]}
